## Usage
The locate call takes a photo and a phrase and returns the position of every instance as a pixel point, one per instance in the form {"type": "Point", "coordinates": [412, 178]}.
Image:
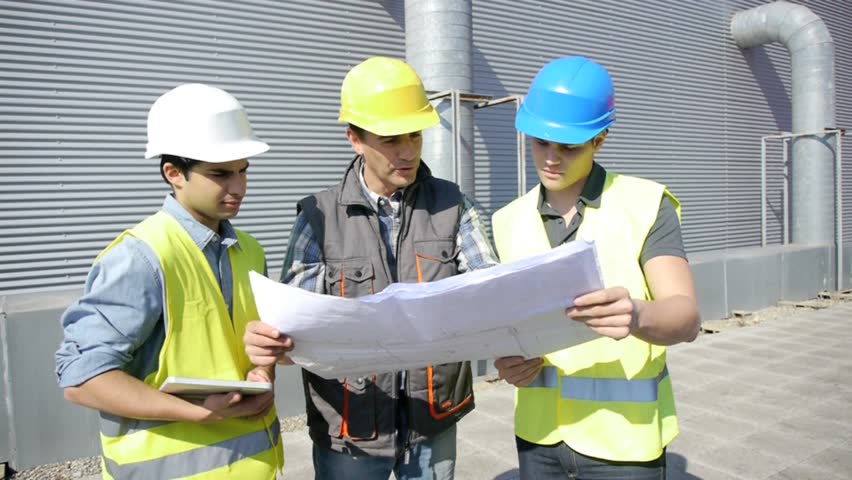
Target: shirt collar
{"type": "Point", "coordinates": [199, 233]}
{"type": "Point", "coordinates": [590, 196]}
{"type": "Point", "coordinates": [372, 196]}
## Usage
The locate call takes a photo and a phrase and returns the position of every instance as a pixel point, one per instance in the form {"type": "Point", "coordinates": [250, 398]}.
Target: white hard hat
{"type": "Point", "coordinates": [203, 123]}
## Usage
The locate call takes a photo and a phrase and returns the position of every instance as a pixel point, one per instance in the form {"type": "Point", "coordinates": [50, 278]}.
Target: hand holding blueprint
{"type": "Point", "coordinates": [512, 309]}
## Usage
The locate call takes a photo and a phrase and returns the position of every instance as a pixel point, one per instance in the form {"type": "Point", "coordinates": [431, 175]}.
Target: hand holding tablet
{"type": "Point", "coordinates": [200, 387]}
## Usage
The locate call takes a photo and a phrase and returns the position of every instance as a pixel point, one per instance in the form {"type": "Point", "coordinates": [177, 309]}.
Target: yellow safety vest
{"type": "Point", "coordinates": [605, 398]}
{"type": "Point", "coordinates": [201, 341]}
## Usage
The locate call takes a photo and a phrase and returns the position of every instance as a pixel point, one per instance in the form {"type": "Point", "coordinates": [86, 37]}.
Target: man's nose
{"type": "Point", "coordinates": [406, 148]}
{"type": "Point", "coordinates": [237, 184]}
{"type": "Point", "coordinates": [553, 154]}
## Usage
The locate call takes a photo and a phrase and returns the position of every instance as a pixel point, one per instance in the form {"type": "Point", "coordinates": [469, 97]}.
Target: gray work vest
{"type": "Point", "coordinates": [359, 415]}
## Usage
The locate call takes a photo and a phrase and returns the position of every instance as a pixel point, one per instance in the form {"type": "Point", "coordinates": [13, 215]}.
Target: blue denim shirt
{"type": "Point", "coordinates": [119, 323]}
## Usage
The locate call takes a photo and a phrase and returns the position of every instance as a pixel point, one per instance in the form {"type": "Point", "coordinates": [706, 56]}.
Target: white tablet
{"type": "Point", "coordinates": [201, 386]}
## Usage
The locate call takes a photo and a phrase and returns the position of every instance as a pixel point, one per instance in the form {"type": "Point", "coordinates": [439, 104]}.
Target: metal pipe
{"type": "Point", "coordinates": [439, 46]}
{"type": "Point", "coordinates": [762, 192]}
{"type": "Point", "coordinates": [454, 102]}
{"type": "Point", "coordinates": [838, 208]}
{"type": "Point", "coordinates": [812, 60]}
{"type": "Point", "coordinates": [785, 195]}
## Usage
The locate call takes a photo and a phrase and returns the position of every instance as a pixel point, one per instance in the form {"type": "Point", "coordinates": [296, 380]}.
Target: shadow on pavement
{"type": "Point", "coordinates": [676, 468]}
{"type": "Point", "coordinates": [512, 474]}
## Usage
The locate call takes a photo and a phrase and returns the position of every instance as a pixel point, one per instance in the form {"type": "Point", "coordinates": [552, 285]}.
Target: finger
{"type": "Point", "coordinates": [258, 375]}
{"type": "Point", "coordinates": [221, 401]}
{"type": "Point", "coordinates": [263, 329]}
{"type": "Point", "coordinates": [606, 295]}
{"type": "Point", "coordinates": [255, 405]}
{"type": "Point", "coordinates": [610, 321]}
{"type": "Point", "coordinates": [287, 342]}
{"type": "Point", "coordinates": [264, 351]}
{"type": "Point", "coordinates": [525, 376]}
{"type": "Point", "coordinates": [263, 360]}
{"type": "Point", "coordinates": [616, 333]}
{"type": "Point", "coordinates": [258, 340]}
{"type": "Point", "coordinates": [621, 306]}
{"type": "Point", "coordinates": [522, 371]}
{"type": "Point", "coordinates": [508, 362]}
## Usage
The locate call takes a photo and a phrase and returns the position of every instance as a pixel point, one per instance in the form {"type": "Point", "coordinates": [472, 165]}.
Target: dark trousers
{"type": "Point", "coordinates": [540, 462]}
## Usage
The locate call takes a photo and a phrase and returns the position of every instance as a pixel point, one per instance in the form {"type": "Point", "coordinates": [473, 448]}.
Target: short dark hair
{"type": "Point", "coordinates": [183, 164]}
{"type": "Point", "coordinates": [358, 131]}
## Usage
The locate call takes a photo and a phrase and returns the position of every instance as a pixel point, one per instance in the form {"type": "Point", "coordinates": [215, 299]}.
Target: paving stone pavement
{"type": "Point", "coordinates": [769, 401]}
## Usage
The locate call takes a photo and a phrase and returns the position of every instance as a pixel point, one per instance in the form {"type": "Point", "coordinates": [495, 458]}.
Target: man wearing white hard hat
{"type": "Point", "coordinates": [170, 297]}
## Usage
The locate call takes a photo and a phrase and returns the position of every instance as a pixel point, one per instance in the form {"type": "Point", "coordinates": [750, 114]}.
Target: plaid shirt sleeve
{"type": "Point", "coordinates": [476, 251]}
{"type": "Point", "coordinates": [303, 266]}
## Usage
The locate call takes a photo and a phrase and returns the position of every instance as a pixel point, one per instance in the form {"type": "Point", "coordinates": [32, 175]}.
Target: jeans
{"type": "Point", "coordinates": [432, 459]}
{"type": "Point", "coordinates": [560, 461]}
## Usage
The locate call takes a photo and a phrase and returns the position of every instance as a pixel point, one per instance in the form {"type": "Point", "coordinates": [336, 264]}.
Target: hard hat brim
{"type": "Point", "coordinates": [221, 153]}
{"type": "Point", "coordinates": [398, 125]}
{"type": "Point", "coordinates": [536, 127]}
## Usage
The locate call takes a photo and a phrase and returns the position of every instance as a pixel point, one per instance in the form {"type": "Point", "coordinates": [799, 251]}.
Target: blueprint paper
{"type": "Point", "coordinates": [512, 309]}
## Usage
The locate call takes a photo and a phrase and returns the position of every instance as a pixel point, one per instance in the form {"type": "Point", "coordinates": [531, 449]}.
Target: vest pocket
{"type": "Point", "coordinates": [349, 278]}
{"type": "Point", "coordinates": [347, 406]}
{"type": "Point", "coordinates": [359, 408]}
{"type": "Point", "coordinates": [449, 388]}
{"type": "Point", "coordinates": [435, 259]}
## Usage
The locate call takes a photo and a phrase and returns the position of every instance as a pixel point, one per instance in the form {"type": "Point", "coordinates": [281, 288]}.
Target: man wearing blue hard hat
{"type": "Point", "coordinates": [602, 409]}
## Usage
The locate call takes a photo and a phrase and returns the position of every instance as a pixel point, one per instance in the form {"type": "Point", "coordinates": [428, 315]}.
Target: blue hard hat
{"type": "Point", "coordinates": [570, 101]}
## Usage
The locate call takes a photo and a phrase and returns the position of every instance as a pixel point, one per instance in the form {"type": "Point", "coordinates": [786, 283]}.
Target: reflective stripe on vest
{"type": "Point", "coordinates": [115, 426]}
{"type": "Point", "coordinates": [601, 389]}
{"type": "Point", "coordinates": [202, 459]}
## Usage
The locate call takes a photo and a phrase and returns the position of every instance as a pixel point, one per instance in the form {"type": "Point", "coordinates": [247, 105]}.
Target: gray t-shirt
{"type": "Point", "coordinates": [664, 238]}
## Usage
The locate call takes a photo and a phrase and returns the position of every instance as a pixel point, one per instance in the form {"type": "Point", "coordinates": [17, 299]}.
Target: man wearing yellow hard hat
{"type": "Point", "coordinates": [389, 220]}
{"type": "Point", "coordinates": [171, 297]}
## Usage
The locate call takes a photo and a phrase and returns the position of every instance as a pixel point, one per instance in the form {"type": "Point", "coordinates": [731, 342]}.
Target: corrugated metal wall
{"type": "Point", "coordinates": [78, 79]}
{"type": "Point", "coordinates": [691, 106]}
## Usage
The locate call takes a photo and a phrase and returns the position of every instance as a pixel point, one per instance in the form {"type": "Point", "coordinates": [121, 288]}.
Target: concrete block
{"type": "Point", "coordinates": [709, 277]}
{"type": "Point", "coordinates": [40, 410]}
{"type": "Point", "coordinates": [806, 271]}
{"type": "Point", "coordinates": [5, 434]}
{"type": "Point", "coordinates": [847, 265]}
{"type": "Point", "coordinates": [753, 281]}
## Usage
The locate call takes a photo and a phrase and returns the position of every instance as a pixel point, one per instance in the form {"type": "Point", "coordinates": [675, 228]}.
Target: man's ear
{"type": "Point", "coordinates": [598, 141]}
{"type": "Point", "coordinates": [354, 141]}
{"type": "Point", "coordinates": [173, 175]}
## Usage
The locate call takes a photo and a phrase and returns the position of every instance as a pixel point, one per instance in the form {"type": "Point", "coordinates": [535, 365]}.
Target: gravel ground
{"type": "Point", "coordinates": [781, 310]}
{"type": "Point", "coordinates": [72, 469]}
{"type": "Point", "coordinates": [86, 467]}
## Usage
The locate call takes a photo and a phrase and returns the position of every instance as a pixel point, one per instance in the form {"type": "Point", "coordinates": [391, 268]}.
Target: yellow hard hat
{"type": "Point", "coordinates": [385, 96]}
